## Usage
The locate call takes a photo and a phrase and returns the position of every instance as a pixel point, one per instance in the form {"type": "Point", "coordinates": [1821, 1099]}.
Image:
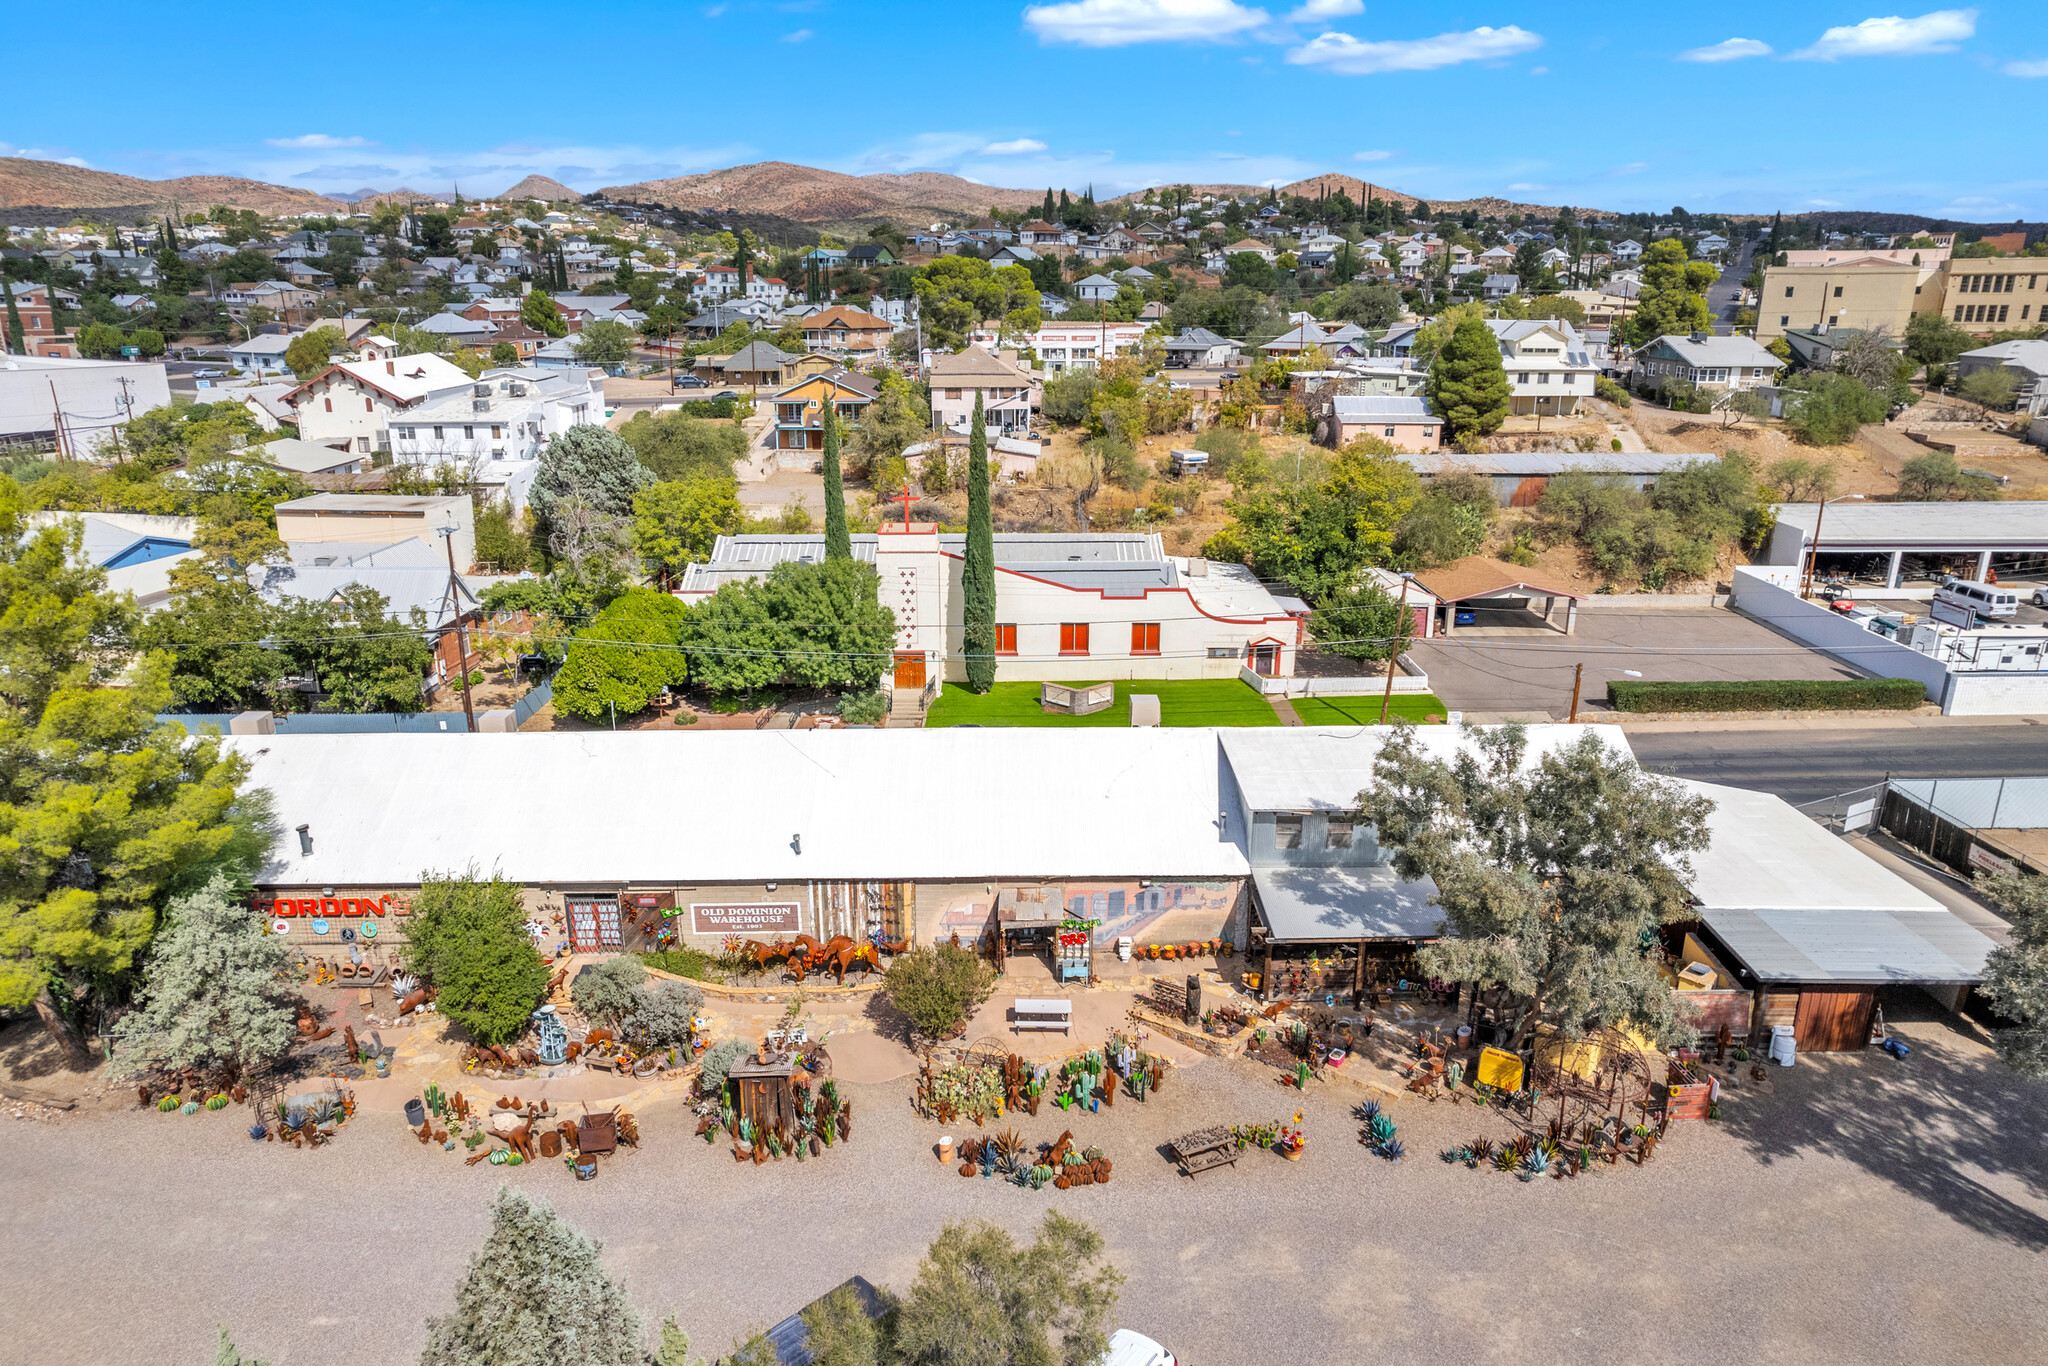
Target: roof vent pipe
{"type": "Point", "coordinates": [305, 841]}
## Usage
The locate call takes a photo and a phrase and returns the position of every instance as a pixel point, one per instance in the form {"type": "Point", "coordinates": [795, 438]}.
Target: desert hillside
{"type": "Point", "coordinates": [54, 185]}
{"type": "Point", "coordinates": [808, 195]}
{"type": "Point", "coordinates": [540, 187]}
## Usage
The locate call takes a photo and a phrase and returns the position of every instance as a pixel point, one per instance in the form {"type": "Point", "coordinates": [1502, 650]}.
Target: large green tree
{"type": "Point", "coordinates": [818, 625]}
{"type": "Point", "coordinates": [467, 937]}
{"type": "Point", "coordinates": [2016, 974]}
{"type": "Point", "coordinates": [679, 446]}
{"type": "Point", "coordinates": [1674, 295]}
{"type": "Point", "coordinates": [591, 467]}
{"type": "Point", "coordinates": [216, 990]}
{"type": "Point", "coordinates": [982, 1300]}
{"type": "Point", "coordinates": [1468, 386]}
{"type": "Point", "coordinates": [310, 352]}
{"type": "Point", "coordinates": [676, 522]}
{"type": "Point", "coordinates": [1362, 621]}
{"type": "Point", "coordinates": [978, 563]}
{"type": "Point", "coordinates": [623, 659]}
{"type": "Point", "coordinates": [1554, 875]}
{"type": "Point", "coordinates": [536, 1294]}
{"type": "Point", "coordinates": [605, 343]}
{"type": "Point", "coordinates": [1313, 532]}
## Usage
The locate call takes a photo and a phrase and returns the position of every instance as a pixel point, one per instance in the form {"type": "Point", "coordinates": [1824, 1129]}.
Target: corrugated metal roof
{"type": "Point", "coordinates": [1767, 856]}
{"type": "Point", "coordinates": [1324, 768]}
{"type": "Point", "coordinates": [1345, 903]}
{"type": "Point", "coordinates": [1938, 525]}
{"type": "Point", "coordinates": [1117, 563]}
{"type": "Point", "coordinates": [729, 806]}
{"type": "Point", "coordinates": [1540, 463]}
{"type": "Point", "coordinates": [1388, 407]}
{"type": "Point", "coordinates": [1852, 946]}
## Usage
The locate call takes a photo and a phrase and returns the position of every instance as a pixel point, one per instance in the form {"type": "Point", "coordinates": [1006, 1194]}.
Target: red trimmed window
{"type": "Point", "coordinates": [1073, 637]}
{"type": "Point", "coordinates": [1006, 637]}
{"type": "Point", "coordinates": [1144, 637]}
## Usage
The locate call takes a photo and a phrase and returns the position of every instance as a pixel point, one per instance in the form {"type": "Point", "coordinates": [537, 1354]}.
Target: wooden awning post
{"type": "Point", "coordinates": [1358, 978]}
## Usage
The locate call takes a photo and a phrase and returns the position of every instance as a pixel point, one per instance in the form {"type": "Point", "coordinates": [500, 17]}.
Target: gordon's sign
{"type": "Point", "coordinates": [335, 907]}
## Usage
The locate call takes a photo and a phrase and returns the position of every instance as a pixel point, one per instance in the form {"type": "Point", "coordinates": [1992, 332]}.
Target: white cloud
{"type": "Point", "coordinates": [714, 11]}
{"type": "Point", "coordinates": [1316, 10]}
{"type": "Point", "coordinates": [1728, 50]}
{"type": "Point", "coordinates": [1118, 23]}
{"type": "Point", "coordinates": [1524, 186]}
{"type": "Point", "coordinates": [1539, 71]}
{"type": "Point", "coordinates": [1894, 36]}
{"type": "Point", "coordinates": [1016, 147]}
{"type": "Point", "coordinates": [8, 149]}
{"type": "Point", "coordinates": [1348, 56]}
{"type": "Point", "coordinates": [318, 142]}
{"type": "Point", "coordinates": [1825, 203]}
{"type": "Point", "coordinates": [1632, 168]}
{"type": "Point", "coordinates": [1370, 156]}
{"type": "Point", "coordinates": [2030, 70]}
{"type": "Point", "coordinates": [801, 35]}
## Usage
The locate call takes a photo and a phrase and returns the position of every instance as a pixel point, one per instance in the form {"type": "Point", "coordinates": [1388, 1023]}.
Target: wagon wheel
{"type": "Point", "coordinates": [988, 1051]}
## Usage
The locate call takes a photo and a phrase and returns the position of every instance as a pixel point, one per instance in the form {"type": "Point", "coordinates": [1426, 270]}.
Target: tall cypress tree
{"type": "Point", "coordinates": [837, 544]}
{"type": "Point", "coordinates": [15, 341]}
{"type": "Point", "coordinates": [978, 571]}
{"type": "Point", "coordinates": [1048, 211]}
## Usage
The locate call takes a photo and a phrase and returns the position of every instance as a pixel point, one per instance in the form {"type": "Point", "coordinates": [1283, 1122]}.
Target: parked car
{"type": "Point", "coordinates": [1463, 617]}
{"type": "Point", "coordinates": [2040, 598]}
{"type": "Point", "coordinates": [209, 374]}
{"type": "Point", "coordinates": [1135, 1349]}
{"type": "Point", "coordinates": [691, 382]}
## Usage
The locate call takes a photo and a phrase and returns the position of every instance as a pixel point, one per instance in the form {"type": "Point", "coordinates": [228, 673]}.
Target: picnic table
{"type": "Point", "coordinates": [1205, 1148]}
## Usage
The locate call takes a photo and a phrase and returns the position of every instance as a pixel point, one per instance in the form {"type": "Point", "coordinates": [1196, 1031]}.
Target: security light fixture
{"type": "Point", "coordinates": [305, 841]}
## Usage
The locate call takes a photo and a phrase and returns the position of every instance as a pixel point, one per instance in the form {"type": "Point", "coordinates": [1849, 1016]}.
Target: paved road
{"type": "Point", "coordinates": [1723, 293]}
{"type": "Point", "coordinates": [1806, 765]}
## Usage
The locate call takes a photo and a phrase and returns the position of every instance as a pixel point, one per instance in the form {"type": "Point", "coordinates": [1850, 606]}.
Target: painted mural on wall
{"type": "Point", "coordinates": [1165, 912]}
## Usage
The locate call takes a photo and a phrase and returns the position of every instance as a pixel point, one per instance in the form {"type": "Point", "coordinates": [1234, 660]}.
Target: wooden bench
{"type": "Point", "coordinates": [1205, 1149]}
{"type": "Point", "coordinates": [1042, 1014]}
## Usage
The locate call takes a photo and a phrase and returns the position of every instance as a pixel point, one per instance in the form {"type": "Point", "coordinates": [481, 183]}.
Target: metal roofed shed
{"type": "Point", "coordinates": [1813, 926]}
{"type": "Point", "coordinates": [1897, 543]}
{"type": "Point", "coordinates": [1310, 768]}
{"type": "Point", "coordinates": [1520, 477]}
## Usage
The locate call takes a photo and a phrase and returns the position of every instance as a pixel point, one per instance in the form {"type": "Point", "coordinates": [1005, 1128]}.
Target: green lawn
{"type": "Point", "coordinates": [1365, 711]}
{"type": "Point", "coordinates": [1182, 702]}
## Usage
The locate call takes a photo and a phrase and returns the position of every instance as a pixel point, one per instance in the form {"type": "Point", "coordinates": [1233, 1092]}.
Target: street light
{"type": "Point", "coordinates": [1579, 673]}
{"type": "Point", "coordinates": [1813, 553]}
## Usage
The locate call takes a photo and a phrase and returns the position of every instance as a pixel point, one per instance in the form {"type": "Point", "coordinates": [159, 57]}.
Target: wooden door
{"type": "Point", "coordinates": [1265, 660]}
{"type": "Point", "coordinates": [910, 669]}
{"type": "Point", "coordinates": [1834, 1019]}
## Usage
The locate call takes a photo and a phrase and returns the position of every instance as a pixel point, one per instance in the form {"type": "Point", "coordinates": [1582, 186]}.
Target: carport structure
{"type": "Point", "coordinates": [1485, 584]}
{"type": "Point", "coordinates": [1901, 543]}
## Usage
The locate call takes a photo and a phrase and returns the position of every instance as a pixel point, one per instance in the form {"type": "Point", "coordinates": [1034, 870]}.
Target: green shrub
{"type": "Point", "coordinates": [604, 991]}
{"type": "Point", "coordinates": [467, 937]}
{"type": "Point", "coordinates": [1607, 389]}
{"type": "Point", "coordinates": [1794, 694]}
{"type": "Point", "coordinates": [684, 962]}
{"type": "Point", "coordinates": [936, 988]}
{"type": "Point", "coordinates": [662, 1011]}
{"type": "Point", "coordinates": [718, 1061]}
{"type": "Point", "coordinates": [1614, 443]}
{"type": "Point", "coordinates": [863, 708]}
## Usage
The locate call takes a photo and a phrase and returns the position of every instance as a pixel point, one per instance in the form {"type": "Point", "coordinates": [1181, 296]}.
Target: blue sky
{"type": "Point", "coordinates": [1794, 106]}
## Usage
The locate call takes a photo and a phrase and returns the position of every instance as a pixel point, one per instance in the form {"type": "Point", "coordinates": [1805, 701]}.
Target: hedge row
{"type": "Point", "coordinates": [1788, 694]}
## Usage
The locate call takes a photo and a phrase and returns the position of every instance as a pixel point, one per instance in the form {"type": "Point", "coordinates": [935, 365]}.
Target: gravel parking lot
{"type": "Point", "coordinates": [1869, 1211]}
{"type": "Point", "coordinates": [1502, 664]}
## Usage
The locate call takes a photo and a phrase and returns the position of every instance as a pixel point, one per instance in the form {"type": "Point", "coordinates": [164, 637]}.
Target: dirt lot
{"type": "Point", "coordinates": [1856, 1210]}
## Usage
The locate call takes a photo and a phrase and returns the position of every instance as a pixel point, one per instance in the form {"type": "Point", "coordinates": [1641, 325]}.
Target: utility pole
{"type": "Point", "coordinates": [461, 636]}
{"type": "Point", "coordinates": [1578, 673]}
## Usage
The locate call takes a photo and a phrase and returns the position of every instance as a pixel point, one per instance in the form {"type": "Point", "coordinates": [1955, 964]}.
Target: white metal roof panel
{"type": "Point", "coordinates": [749, 805]}
{"type": "Point", "coordinates": [1853, 946]}
{"type": "Point", "coordinates": [1324, 768]}
{"type": "Point", "coordinates": [1345, 903]}
{"type": "Point", "coordinates": [1767, 856]}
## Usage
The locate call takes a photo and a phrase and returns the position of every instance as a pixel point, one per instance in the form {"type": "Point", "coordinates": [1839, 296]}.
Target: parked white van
{"type": "Point", "coordinates": [1983, 599]}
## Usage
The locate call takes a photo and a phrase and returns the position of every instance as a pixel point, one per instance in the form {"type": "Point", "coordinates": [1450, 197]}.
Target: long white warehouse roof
{"type": "Point", "coordinates": [748, 805]}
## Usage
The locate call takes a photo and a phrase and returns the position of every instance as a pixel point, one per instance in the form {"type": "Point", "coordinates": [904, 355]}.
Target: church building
{"type": "Point", "coordinates": [1069, 607]}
